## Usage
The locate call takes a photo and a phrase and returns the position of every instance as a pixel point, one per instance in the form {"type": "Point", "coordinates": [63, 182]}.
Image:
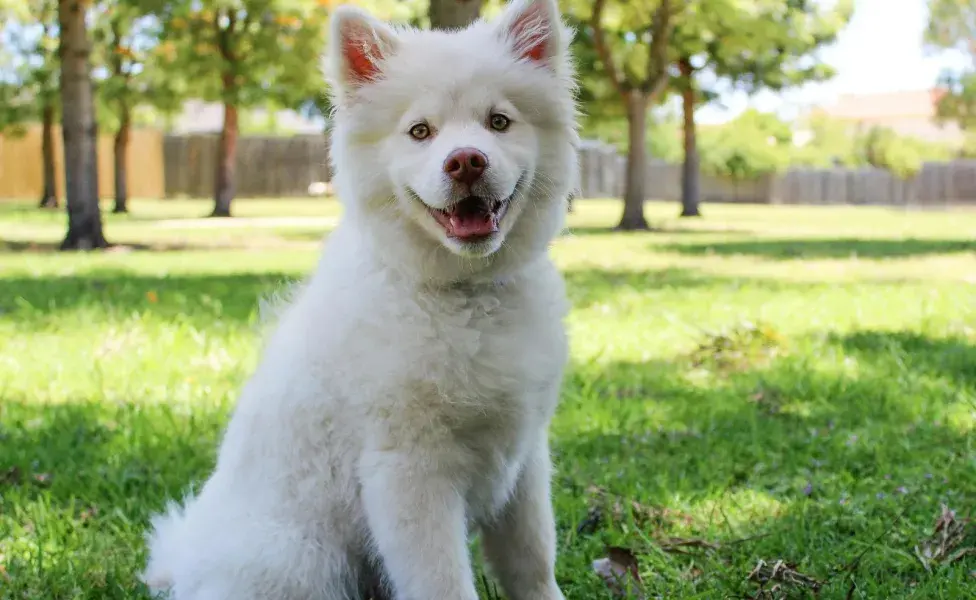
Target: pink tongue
{"type": "Point", "coordinates": [473, 225]}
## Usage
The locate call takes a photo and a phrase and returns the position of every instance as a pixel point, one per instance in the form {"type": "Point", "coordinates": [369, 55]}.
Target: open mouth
{"type": "Point", "coordinates": [473, 219]}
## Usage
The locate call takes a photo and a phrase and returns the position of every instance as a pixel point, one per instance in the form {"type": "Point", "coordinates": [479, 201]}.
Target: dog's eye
{"type": "Point", "coordinates": [499, 122]}
{"type": "Point", "coordinates": [420, 131]}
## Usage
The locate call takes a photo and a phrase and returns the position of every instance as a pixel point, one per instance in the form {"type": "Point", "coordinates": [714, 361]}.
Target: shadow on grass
{"type": "Point", "coordinates": [90, 453]}
{"type": "Point", "coordinates": [794, 460]}
{"type": "Point", "coordinates": [653, 231]}
{"type": "Point", "coordinates": [591, 286]}
{"type": "Point", "coordinates": [79, 482]}
{"type": "Point", "coordinates": [950, 358]}
{"type": "Point", "coordinates": [787, 249]}
{"type": "Point", "coordinates": [240, 243]}
{"type": "Point", "coordinates": [203, 298]}
{"type": "Point", "coordinates": [587, 287]}
{"type": "Point", "coordinates": [236, 296]}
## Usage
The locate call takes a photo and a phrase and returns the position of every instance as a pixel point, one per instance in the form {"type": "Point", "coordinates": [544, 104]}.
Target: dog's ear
{"type": "Point", "coordinates": [533, 29]}
{"type": "Point", "coordinates": [358, 45]}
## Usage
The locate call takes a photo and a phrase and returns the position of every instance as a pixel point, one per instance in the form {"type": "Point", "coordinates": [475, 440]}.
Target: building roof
{"type": "Point", "coordinates": [885, 105]}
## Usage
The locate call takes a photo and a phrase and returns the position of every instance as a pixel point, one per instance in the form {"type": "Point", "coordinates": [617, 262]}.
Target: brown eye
{"type": "Point", "coordinates": [499, 122]}
{"type": "Point", "coordinates": [420, 131]}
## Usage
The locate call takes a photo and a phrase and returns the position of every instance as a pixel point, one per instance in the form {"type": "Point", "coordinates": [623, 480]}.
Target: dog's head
{"type": "Point", "coordinates": [457, 148]}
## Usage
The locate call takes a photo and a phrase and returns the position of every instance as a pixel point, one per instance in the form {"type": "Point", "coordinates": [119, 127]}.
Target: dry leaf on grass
{"type": "Point", "coordinates": [780, 580]}
{"type": "Point", "coordinates": [621, 572]}
{"type": "Point", "coordinates": [769, 400]}
{"type": "Point", "coordinates": [88, 514]}
{"type": "Point", "coordinates": [945, 545]}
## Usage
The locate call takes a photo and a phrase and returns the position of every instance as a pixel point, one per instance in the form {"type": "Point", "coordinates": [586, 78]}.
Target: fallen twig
{"type": "Point", "coordinates": [945, 545]}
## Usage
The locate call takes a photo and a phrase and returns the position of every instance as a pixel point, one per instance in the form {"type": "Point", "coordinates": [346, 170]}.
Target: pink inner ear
{"type": "Point", "coordinates": [361, 55]}
{"type": "Point", "coordinates": [531, 32]}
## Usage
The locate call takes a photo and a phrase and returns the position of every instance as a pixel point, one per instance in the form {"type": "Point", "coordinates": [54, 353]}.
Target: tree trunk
{"type": "Point", "coordinates": [79, 131]}
{"type": "Point", "coordinates": [49, 196]}
{"type": "Point", "coordinates": [121, 149]}
{"type": "Point", "coordinates": [453, 14]}
{"type": "Point", "coordinates": [690, 176]}
{"type": "Point", "coordinates": [226, 160]}
{"type": "Point", "coordinates": [633, 217]}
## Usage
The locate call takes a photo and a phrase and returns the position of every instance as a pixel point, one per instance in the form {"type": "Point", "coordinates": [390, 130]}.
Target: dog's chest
{"type": "Point", "coordinates": [480, 375]}
{"type": "Point", "coordinates": [498, 359]}
{"type": "Point", "coordinates": [494, 352]}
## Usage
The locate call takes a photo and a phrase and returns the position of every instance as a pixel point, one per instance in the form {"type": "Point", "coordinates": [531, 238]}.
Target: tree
{"type": "Point", "coordinates": [127, 40]}
{"type": "Point", "coordinates": [957, 102]}
{"type": "Point", "coordinates": [631, 42]}
{"type": "Point", "coordinates": [453, 14]}
{"type": "Point", "coordinates": [14, 109]}
{"type": "Point", "coordinates": [244, 53]}
{"type": "Point", "coordinates": [694, 29]}
{"type": "Point", "coordinates": [761, 44]}
{"type": "Point", "coordinates": [35, 71]}
{"type": "Point", "coordinates": [605, 115]}
{"type": "Point", "coordinates": [750, 146]}
{"type": "Point", "coordinates": [690, 168]}
{"type": "Point", "coordinates": [884, 149]}
{"type": "Point", "coordinates": [831, 143]}
{"type": "Point", "coordinates": [902, 156]}
{"type": "Point", "coordinates": [835, 143]}
{"type": "Point", "coordinates": [45, 82]}
{"type": "Point", "coordinates": [79, 130]}
{"type": "Point", "coordinates": [952, 26]}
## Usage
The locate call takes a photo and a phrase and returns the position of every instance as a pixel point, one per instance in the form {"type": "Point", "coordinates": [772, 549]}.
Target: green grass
{"type": "Point", "coordinates": [791, 384]}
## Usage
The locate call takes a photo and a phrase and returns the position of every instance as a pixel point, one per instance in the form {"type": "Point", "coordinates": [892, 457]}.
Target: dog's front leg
{"type": "Point", "coordinates": [416, 517]}
{"type": "Point", "coordinates": [521, 543]}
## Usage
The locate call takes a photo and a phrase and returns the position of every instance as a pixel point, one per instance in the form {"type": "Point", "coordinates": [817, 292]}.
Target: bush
{"type": "Point", "coordinates": [748, 147]}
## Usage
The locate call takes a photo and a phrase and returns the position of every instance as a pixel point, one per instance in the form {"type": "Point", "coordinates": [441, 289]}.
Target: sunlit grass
{"type": "Point", "coordinates": [781, 383]}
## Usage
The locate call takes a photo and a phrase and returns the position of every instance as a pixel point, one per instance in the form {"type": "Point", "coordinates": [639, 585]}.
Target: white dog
{"type": "Point", "coordinates": [404, 399]}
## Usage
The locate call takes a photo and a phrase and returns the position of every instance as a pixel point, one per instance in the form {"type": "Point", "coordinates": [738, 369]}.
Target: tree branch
{"type": "Point", "coordinates": [603, 51]}
{"type": "Point", "coordinates": [225, 35]}
{"type": "Point", "coordinates": [687, 72]}
{"type": "Point", "coordinates": [657, 52]}
{"type": "Point", "coordinates": [116, 48]}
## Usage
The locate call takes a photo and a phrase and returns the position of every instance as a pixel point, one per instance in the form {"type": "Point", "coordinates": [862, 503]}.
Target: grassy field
{"type": "Point", "coordinates": [766, 384]}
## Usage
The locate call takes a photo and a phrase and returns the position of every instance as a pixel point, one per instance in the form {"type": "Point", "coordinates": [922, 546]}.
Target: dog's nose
{"type": "Point", "coordinates": [466, 165]}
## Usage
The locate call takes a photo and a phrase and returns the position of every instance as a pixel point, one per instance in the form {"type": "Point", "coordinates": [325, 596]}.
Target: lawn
{"type": "Point", "coordinates": [765, 384]}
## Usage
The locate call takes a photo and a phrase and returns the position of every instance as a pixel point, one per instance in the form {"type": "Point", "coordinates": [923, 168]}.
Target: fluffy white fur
{"type": "Point", "coordinates": [404, 398]}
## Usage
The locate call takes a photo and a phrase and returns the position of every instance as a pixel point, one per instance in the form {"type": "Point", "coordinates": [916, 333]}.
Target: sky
{"type": "Point", "coordinates": [880, 50]}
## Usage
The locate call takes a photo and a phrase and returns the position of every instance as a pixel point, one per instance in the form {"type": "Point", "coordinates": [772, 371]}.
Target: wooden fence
{"type": "Point", "coordinates": [265, 166]}
{"type": "Point", "coordinates": [22, 172]}
{"type": "Point", "coordinates": [184, 166]}
{"type": "Point", "coordinates": [602, 173]}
